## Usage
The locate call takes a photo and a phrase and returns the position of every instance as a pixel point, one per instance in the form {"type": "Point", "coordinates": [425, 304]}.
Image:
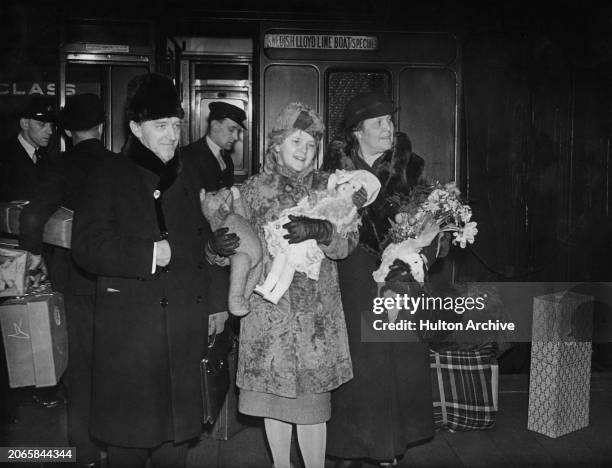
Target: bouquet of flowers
{"type": "Point", "coordinates": [428, 210]}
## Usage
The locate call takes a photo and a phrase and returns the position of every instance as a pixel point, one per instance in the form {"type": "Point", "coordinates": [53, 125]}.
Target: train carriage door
{"type": "Point", "coordinates": [100, 57]}
{"type": "Point", "coordinates": [215, 69]}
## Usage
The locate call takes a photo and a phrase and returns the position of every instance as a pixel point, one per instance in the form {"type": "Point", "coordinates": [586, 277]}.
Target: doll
{"type": "Point", "coordinates": [337, 205]}
{"type": "Point", "coordinates": [224, 208]}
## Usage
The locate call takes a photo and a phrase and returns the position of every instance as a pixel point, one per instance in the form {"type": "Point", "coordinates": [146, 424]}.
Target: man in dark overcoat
{"type": "Point", "coordinates": [140, 229]}
{"type": "Point", "coordinates": [210, 161]}
{"type": "Point", "coordinates": [24, 157]}
{"type": "Point", "coordinates": [64, 184]}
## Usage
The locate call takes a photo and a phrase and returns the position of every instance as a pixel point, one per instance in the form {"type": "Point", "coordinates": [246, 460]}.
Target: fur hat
{"type": "Point", "coordinates": [152, 96]}
{"type": "Point", "coordinates": [367, 106]}
{"type": "Point", "coordinates": [82, 112]}
{"type": "Point", "coordinates": [40, 108]}
{"type": "Point", "coordinates": [220, 110]}
{"type": "Point", "coordinates": [301, 117]}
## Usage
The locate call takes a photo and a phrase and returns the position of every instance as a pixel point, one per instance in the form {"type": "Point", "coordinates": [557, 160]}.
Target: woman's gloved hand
{"type": "Point", "coordinates": [399, 271]}
{"type": "Point", "coordinates": [360, 197]}
{"type": "Point", "coordinates": [224, 243]}
{"type": "Point", "coordinates": [443, 244]}
{"type": "Point", "coordinates": [301, 228]}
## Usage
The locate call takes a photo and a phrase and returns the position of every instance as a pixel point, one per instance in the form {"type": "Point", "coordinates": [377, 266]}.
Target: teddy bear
{"type": "Point", "coordinates": [335, 204]}
{"type": "Point", "coordinates": [224, 208]}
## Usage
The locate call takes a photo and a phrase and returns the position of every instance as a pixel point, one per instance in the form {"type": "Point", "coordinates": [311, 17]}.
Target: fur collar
{"type": "Point", "coordinates": [398, 170]}
{"type": "Point", "coordinates": [145, 158]}
{"type": "Point", "coordinates": [340, 156]}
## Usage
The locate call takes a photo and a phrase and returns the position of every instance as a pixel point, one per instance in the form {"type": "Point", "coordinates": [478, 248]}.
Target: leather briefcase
{"type": "Point", "coordinates": [215, 375]}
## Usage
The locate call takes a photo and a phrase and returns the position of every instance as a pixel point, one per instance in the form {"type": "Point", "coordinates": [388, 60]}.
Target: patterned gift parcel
{"type": "Point", "coordinates": [35, 339]}
{"type": "Point", "coordinates": [559, 387]}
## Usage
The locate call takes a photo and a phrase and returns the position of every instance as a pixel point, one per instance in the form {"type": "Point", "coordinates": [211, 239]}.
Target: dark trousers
{"type": "Point", "coordinates": [167, 455]}
{"type": "Point", "coordinates": [79, 320]}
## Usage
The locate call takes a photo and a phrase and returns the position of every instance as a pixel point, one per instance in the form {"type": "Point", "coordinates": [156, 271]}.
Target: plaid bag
{"type": "Point", "coordinates": [464, 385]}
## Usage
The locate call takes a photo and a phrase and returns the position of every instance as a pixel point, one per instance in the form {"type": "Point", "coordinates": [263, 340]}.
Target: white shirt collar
{"type": "Point", "coordinates": [216, 150]}
{"type": "Point", "coordinates": [26, 146]}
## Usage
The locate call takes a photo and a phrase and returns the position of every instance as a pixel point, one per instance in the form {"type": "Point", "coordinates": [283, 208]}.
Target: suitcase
{"type": "Point", "coordinates": [35, 339]}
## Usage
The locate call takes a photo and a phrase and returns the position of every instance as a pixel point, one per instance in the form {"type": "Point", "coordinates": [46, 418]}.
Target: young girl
{"type": "Point", "coordinates": [292, 354]}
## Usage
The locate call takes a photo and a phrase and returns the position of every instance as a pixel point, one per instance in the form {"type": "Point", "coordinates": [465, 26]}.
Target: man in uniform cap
{"type": "Point", "coordinates": [209, 159]}
{"type": "Point", "coordinates": [25, 156]}
{"type": "Point", "coordinates": [140, 229]}
{"type": "Point", "coordinates": [64, 184]}
{"type": "Point", "coordinates": [210, 156]}
{"type": "Point", "coordinates": [23, 159]}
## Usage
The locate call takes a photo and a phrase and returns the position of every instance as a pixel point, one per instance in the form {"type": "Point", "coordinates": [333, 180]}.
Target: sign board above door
{"type": "Point", "coordinates": [320, 41]}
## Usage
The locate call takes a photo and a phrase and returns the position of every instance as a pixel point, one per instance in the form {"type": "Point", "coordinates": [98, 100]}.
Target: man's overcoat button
{"type": "Point", "coordinates": [163, 302]}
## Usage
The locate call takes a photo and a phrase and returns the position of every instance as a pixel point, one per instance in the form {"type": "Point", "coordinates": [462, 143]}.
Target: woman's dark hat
{"type": "Point", "coordinates": [220, 110]}
{"type": "Point", "coordinates": [367, 106]}
{"type": "Point", "coordinates": [40, 108]}
{"type": "Point", "coordinates": [82, 112]}
{"type": "Point", "coordinates": [150, 97]}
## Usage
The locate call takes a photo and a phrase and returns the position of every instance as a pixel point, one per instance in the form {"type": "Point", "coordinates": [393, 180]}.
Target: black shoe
{"type": "Point", "coordinates": [49, 402]}
{"type": "Point", "coordinates": [348, 464]}
{"type": "Point", "coordinates": [9, 418]}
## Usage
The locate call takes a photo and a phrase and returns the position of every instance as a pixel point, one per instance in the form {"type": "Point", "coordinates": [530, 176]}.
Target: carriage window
{"type": "Point", "coordinates": [428, 114]}
{"type": "Point", "coordinates": [345, 84]}
{"type": "Point", "coordinates": [288, 83]}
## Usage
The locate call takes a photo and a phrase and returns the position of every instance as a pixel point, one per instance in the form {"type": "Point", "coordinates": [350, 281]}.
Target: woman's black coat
{"type": "Point", "coordinates": [388, 404]}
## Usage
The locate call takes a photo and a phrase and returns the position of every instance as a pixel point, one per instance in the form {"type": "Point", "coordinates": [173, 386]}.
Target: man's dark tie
{"type": "Point", "coordinates": [224, 156]}
{"type": "Point", "coordinates": [37, 156]}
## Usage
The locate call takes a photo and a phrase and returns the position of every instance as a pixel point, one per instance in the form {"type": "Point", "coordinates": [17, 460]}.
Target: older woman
{"type": "Point", "coordinates": [292, 354]}
{"type": "Point", "coordinates": [388, 405]}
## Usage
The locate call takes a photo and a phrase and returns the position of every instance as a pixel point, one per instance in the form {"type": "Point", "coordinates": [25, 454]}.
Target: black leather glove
{"type": "Point", "coordinates": [399, 271]}
{"type": "Point", "coordinates": [301, 228]}
{"type": "Point", "coordinates": [224, 243]}
{"type": "Point", "coordinates": [444, 245]}
{"type": "Point", "coordinates": [360, 197]}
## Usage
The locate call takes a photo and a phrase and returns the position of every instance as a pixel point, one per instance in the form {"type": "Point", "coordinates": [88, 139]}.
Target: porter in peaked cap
{"type": "Point", "coordinates": [40, 108]}
{"type": "Point", "coordinates": [220, 110]}
{"type": "Point", "coordinates": [82, 112]}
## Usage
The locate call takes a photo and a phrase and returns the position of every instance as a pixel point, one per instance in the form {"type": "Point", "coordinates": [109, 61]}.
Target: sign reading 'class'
{"type": "Point", "coordinates": [320, 41]}
{"type": "Point", "coordinates": [29, 88]}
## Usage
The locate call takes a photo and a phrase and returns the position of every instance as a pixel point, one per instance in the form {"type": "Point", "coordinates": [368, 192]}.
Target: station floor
{"type": "Point", "coordinates": [508, 444]}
